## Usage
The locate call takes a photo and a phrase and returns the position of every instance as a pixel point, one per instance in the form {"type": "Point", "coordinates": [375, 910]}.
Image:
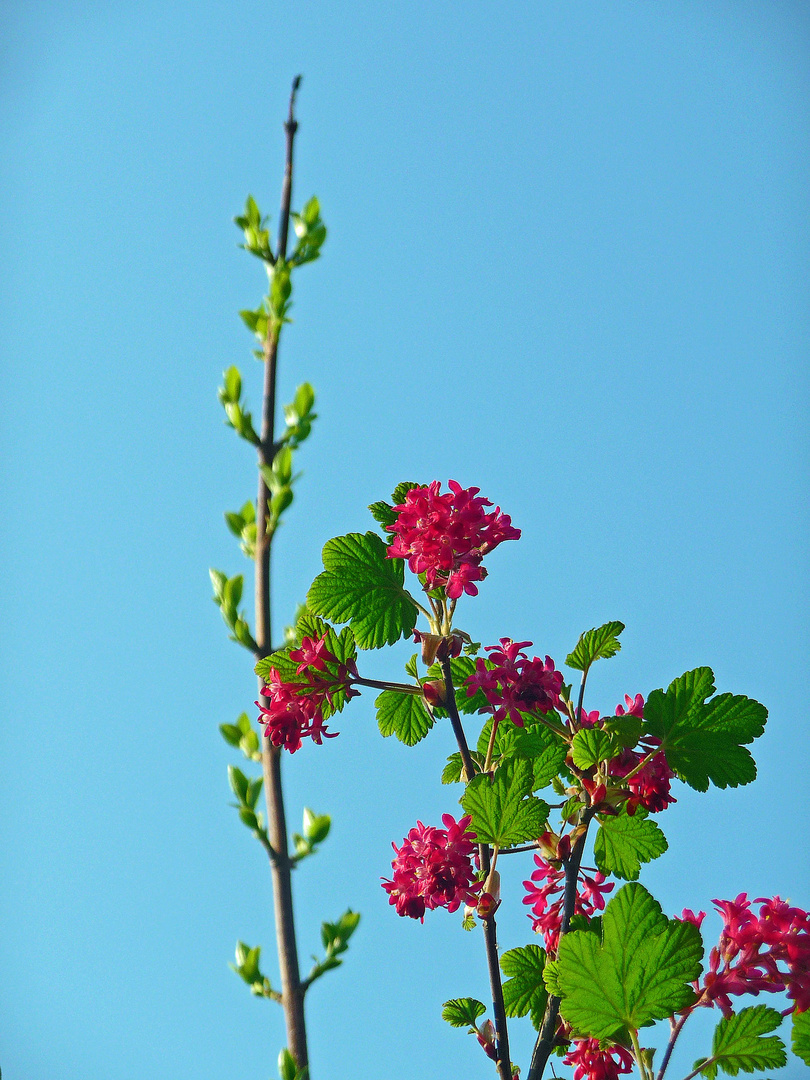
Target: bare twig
{"type": "Point", "coordinates": [291, 990]}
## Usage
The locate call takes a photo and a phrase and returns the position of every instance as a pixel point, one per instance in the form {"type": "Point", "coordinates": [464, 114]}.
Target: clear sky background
{"type": "Point", "coordinates": [567, 263]}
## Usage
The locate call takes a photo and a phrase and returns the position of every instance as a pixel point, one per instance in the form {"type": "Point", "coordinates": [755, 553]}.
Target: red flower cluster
{"type": "Point", "coordinates": [516, 684]}
{"type": "Point", "coordinates": [295, 711]}
{"type": "Point", "coordinates": [445, 537]}
{"type": "Point", "coordinates": [548, 917]}
{"type": "Point", "coordinates": [768, 952]}
{"type": "Point", "coordinates": [595, 1064]}
{"type": "Point", "coordinates": [434, 868]}
{"type": "Point", "coordinates": [650, 786]}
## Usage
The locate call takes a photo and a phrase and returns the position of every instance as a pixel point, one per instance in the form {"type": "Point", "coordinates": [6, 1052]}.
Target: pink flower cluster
{"type": "Point", "coordinates": [548, 915]}
{"type": "Point", "coordinates": [445, 537]}
{"type": "Point", "coordinates": [434, 868]}
{"type": "Point", "coordinates": [296, 709]}
{"type": "Point", "coordinates": [595, 1064]}
{"type": "Point", "coordinates": [768, 952]}
{"type": "Point", "coordinates": [516, 684]}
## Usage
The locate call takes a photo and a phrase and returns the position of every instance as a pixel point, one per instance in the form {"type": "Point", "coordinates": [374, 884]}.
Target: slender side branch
{"type": "Point", "coordinates": [504, 1063]}
{"type": "Point", "coordinates": [291, 991]}
{"type": "Point", "coordinates": [676, 1027]}
{"type": "Point", "coordinates": [545, 1038]}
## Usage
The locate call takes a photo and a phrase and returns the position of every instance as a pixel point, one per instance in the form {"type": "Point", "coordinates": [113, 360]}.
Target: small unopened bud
{"type": "Point", "coordinates": [430, 646]}
{"type": "Point", "coordinates": [485, 1034]}
{"type": "Point", "coordinates": [564, 847]}
{"type": "Point", "coordinates": [547, 843]}
{"type": "Point", "coordinates": [435, 692]}
{"type": "Point", "coordinates": [449, 647]}
{"type": "Point", "coordinates": [487, 906]}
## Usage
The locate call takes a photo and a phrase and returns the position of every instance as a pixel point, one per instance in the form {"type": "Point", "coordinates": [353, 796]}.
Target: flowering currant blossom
{"type": "Point", "coordinates": [515, 684]}
{"type": "Point", "coordinates": [595, 1064]}
{"type": "Point", "coordinates": [769, 953]}
{"type": "Point", "coordinates": [548, 916]}
{"type": "Point", "coordinates": [296, 709]}
{"type": "Point", "coordinates": [650, 786]}
{"type": "Point", "coordinates": [445, 537]}
{"type": "Point", "coordinates": [434, 868]}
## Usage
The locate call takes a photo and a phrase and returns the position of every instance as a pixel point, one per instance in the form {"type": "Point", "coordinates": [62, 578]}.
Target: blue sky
{"type": "Point", "coordinates": [567, 263]}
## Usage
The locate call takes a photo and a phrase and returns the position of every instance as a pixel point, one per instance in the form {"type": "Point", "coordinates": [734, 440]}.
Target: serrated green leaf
{"type": "Point", "coordinates": [525, 991]}
{"type": "Point", "coordinates": [740, 1044]}
{"type": "Point", "coordinates": [451, 774]}
{"type": "Point", "coordinates": [640, 971]}
{"type": "Point", "coordinates": [625, 729]}
{"type": "Point", "coordinates": [364, 588]}
{"type": "Point", "coordinates": [599, 643]}
{"type": "Point", "coordinates": [411, 667]}
{"type": "Point", "coordinates": [800, 1038]}
{"type": "Point", "coordinates": [623, 843]}
{"type": "Point", "coordinates": [403, 715]}
{"type": "Point", "coordinates": [401, 490]}
{"type": "Point", "coordinates": [503, 812]}
{"type": "Point", "coordinates": [544, 750]}
{"type": "Point", "coordinates": [383, 513]}
{"type": "Point", "coordinates": [462, 1012]}
{"type": "Point", "coordinates": [590, 746]}
{"type": "Point", "coordinates": [704, 740]}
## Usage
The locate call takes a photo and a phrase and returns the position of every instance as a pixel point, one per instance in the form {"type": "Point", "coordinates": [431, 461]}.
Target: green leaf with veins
{"type": "Point", "coordinates": [401, 490]}
{"type": "Point", "coordinates": [451, 774]}
{"type": "Point", "coordinates": [623, 843]}
{"type": "Point", "coordinates": [463, 1012]}
{"type": "Point", "coordinates": [704, 739]}
{"type": "Point", "coordinates": [590, 746]}
{"type": "Point", "coordinates": [640, 971]}
{"type": "Point", "coordinates": [403, 715]}
{"type": "Point", "coordinates": [601, 642]}
{"type": "Point", "coordinates": [800, 1038]}
{"type": "Point", "coordinates": [742, 1043]}
{"type": "Point", "coordinates": [503, 810]}
{"type": "Point", "coordinates": [525, 992]}
{"type": "Point", "coordinates": [361, 586]}
{"type": "Point", "coordinates": [544, 749]}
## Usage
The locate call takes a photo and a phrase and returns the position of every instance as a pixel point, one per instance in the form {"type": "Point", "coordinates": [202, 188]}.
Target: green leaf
{"type": "Point", "coordinates": [544, 750]}
{"type": "Point", "coordinates": [590, 746]}
{"type": "Point", "coordinates": [740, 1046]}
{"type": "Point", "coordinates": [316, 826]}
{"type": "Point", "coordinates": [364, 588]}
{"type": "Point", "coordinates": [704, 740]}
{"type": "Point", "coordinates": [230, 733]}
{"type": "Point", "coordinates": [640, 971]}
{"type": "Point", "coordinates": [238, 782]}
{"type": "Point", "coordinates": [800, 1039]}
{"type": "Point", "coordinates": [412, 667]}
{"type": "Point", "coordinates": [451, 774]}
{"type": "Point", "coordinates": [383, 513]}
{"type": "Point", "coordinates": [232, 384]}
{"type": "Point", "coordinates": [403, 715]}
{"type": "Point", "coordinates": [401, 490]}
{"type": "Point", "coordinates": [623, 843]}
{"type": "Point", "coordinates": [626, 730]}
{"type": "Point", "coordinates": [462, 1012]}
{"type": "Point", "coordinates": [599, 643]}
{"type": "Point", "coordinates": [503, 812]}
{"type": "Point", "coordinates": [525, 991]}
{"type": "Point", "coordinates": [304, 399]}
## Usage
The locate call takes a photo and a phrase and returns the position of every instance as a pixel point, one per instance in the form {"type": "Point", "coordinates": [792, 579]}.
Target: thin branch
{"type": "Point", "coordinates": [504, 1064]}
{"type": "Point", "coordinates": [545, 1038]}
{"type": "Point", "coordinates": [676, 1027]}
{"type": "Point", "coordinates": [292, 994]}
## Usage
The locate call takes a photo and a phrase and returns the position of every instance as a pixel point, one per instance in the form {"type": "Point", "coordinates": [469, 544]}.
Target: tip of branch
{"type": "Point", "coordinates": [291, 118]}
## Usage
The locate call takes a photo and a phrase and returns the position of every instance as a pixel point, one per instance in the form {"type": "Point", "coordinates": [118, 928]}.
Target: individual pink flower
{"type": "Point", "coordinates": [546, 893]}
{"type": "Point", "coordinates": [515, 684]}
{"type": "Point", "coordinates": [650, 786]}
{"type": "Point", "coordinates": [632, 706]}
{"type": "Point", "coordinates": [689, 916]}
{"type": "Point", "coordinates": [446, 536]}
{"type": "Point", "coordinates": [768, 953]}
{"type": "Point", "coordinates": [296, 709]}
{"type": "Point", "coordinates": [434, 868]}
{"type": "Point", "coordinates": [595, 1064]}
